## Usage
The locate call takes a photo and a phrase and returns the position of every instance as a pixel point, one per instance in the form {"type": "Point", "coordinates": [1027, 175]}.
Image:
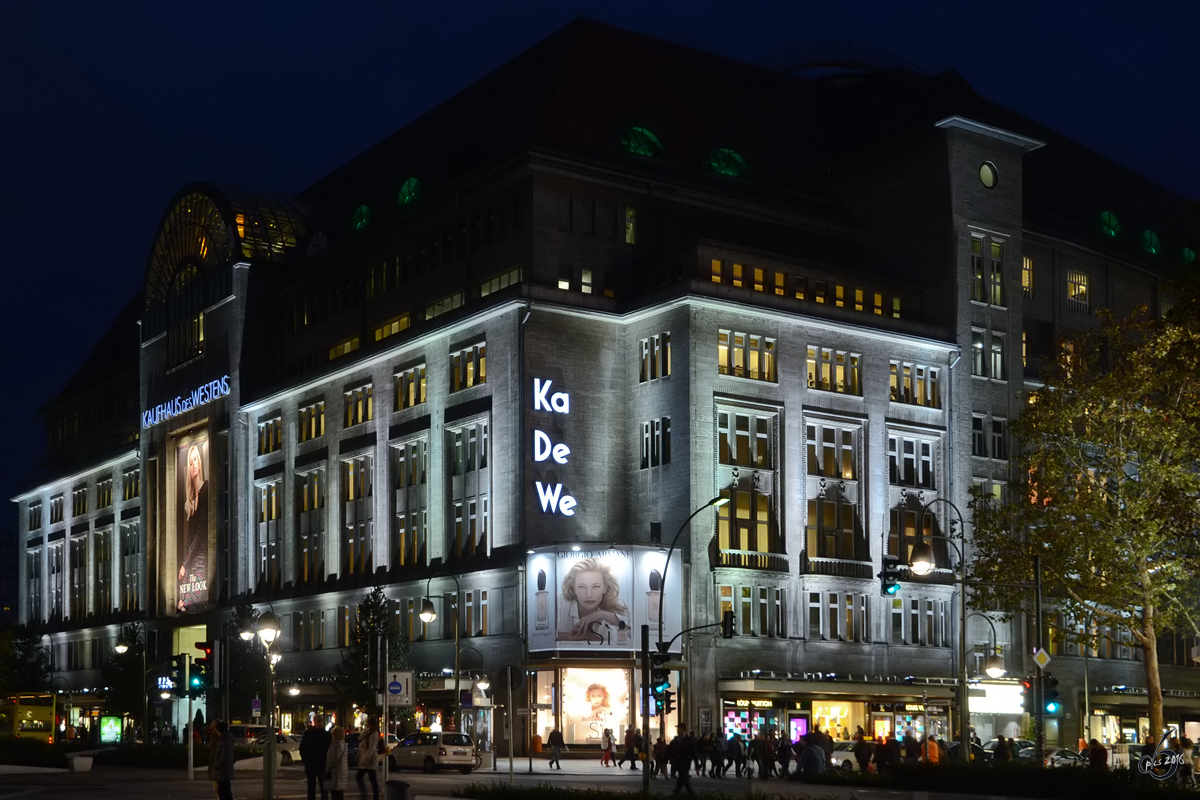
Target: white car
{"type": "Point", "coordinates": [288, 747]}
{"type": "Point", "coordinates": [433, 751]}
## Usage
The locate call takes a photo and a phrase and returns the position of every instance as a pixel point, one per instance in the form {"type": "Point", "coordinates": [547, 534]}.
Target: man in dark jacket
{"type": "Point", "coordinates": [681, 752]}
{"type": "Point", "coordinates": [556, 747]}
{"type": "Point", "coordinates": [314, 744]}
{"type": "Point", "coordinates": [223, 762]}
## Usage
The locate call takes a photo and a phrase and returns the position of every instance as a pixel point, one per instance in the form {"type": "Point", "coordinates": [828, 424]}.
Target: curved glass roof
{"type": "Point", "coordinates": [1150, 242]}
{"type": "Point", "coordinates": [410, 190]}
{"type": "Point", "coordinates": [362, 218]}
{"type": "Point", "coordinates": [724, 161]}
{"type": "Point", "coordinates": [1109, 225]}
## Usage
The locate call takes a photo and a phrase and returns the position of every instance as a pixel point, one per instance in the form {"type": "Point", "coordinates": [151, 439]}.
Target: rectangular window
{"type": "Point", "coordinates": [839, 293]}
{"type": "Point", "coordinates": [1027, 277]}
{"type": "Point", "coordinates": [131, 484]}
{"type": "Point", "coordinates": [831, 451]}
{"type": "Point", "coordinates": [746, 355]}
{"type": "Point", "coordinates": [738, 275]}
{"type": "Point", "coordinates": [655, 357]}
{"type": "Point", "coordinates": [977, 359]}
{"type": "Point", "coordinates": [54, 562]}
{"type": "Point", "coordinates": [270, 436]}
{"type": "Point", "coordinates": [999, 447]}
{"type": "Point", "coordinates": [978, 438]}
{"type": "Point", "coordinates": [130, 565]}
{"type": "Point", "coordinates": [444, 306]}
{"type": "Point", "coordinates": [833, 370]}
{"type": "Point", "coordinates": [819, 291]}
{"type": "Point", "coordinates": [800, 286]}
{"type": "Point", "coordinates": [469, 479]}
{"type": "Point", "coordinates": [996, 367]}
{"type": "Point", "coordinates": [392, 327]}
{"type": "Point", "coordinates": [896, 307]}
{"type": "Point", "coordinates": [310, 536]}
{"type": "Point", "coordinates": [502, 281]}
{"type": "Point", "coordinates": [780, 283]}
{"type": "Point", "coordinates": [269, 562]}
{"type": "Point", "coordinates": [758, 279]}
{"type": "Point", "coordinates": [78, 598]}
{"type": "Point", "coordinates": [468, 367]}
{"type": "Point", "coordinates": [830, 529]}
{"type": "Point", "coordinates": [312, 422]}
{"type": "Point", "coordinates": [977, 277]}
{"type": "Point", "coordinates": [656, 442]}
{"type": "Point", "coordinates": [585, 281]}
{"type": "Point", "coordinates": [725, 602]}
{"type": "Point", "coordinates": [102, 575]}
{"type": "Point", "coordinates": [56, 509]}
{"type": "Point", "coordinates": [718, 270]}
{"type": "Point", "coordinates": [911, 461]}
{"type": "Point", "coordinates": [35, 516]}
{"type": "Point", "coordinates": [1024, 350]}
{"type": "Point", "coordinates": [360, 406]}
{"type": "Point", "coordinates": [878, 307]}
{"type": "Point", "coordinates": [996, 275]}
{"type": "Point", "coordinates": [79, 502]}
{"type": "Point", "coordinates": [33, 574]}
{"type": "Point", "coordinates": [749, 442]}
{"type": "Point", "coordinates": [915, 384]}
{"type": "Point", "coordinates": [410, 387]}
{"type": "Point", "coordinates": [344, 347]}
{"type": "Point", "coordinates": [1077, 290]}
{"type": "Point", "coordinates": [104, 494]}
{"type": "Point", "coordinates": [858, 299]}
{"type": "Point", "coordinates": [630, 225]}
{"type": "Point", "coordinates": [814, 617]}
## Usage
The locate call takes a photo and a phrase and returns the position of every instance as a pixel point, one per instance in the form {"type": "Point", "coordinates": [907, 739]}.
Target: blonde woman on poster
{"type": "Point", "coordinates": [193, 561]}
{"type": "Point", "coordinates": [591, 609]}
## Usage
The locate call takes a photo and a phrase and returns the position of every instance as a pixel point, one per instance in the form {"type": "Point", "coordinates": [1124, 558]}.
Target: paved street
{"type": "Point", "coordinates": [151, 784]}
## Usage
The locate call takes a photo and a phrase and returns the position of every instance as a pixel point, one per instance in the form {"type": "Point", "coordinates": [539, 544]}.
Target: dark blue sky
{"type": "Point", "coordinates": [108, 109]}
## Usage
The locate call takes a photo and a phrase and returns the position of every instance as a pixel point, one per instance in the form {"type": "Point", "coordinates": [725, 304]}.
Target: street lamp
{"type": "Point", "coordinates": [428, 614]}
{"type": "Point", "coordinates": [922, 562]}
{"type": "Point", "coordinates": [268, 631]}
{"type": "Point", "coordinates": [126, 641]}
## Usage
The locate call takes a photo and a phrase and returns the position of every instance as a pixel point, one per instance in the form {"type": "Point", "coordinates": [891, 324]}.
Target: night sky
{"type": "Point", "coordinates": [108, 109]}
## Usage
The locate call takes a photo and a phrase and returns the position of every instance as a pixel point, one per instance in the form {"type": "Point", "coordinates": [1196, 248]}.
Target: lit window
{"type": "Point", "coordinates": [270, 436]}
{"type": "Point", "coordinates": [343, 347]}
{"type": "Point", "coordinates": [410, 387]}
{"type": "Point", "coordinates": [717, 269]}
{"type": "Point", "coordinates": [641, 142]}
{"type": "Point", "coordinates": [858, 299]}
{"type": "Point", "coordinates": [630, 225]}
{"type": "Point", "coordinates": [915, 384]}
{"type": "Point", "coordinates": [468, 367]}
{"type": "Point", "coordinates": [833, 370]}
{"type": "Point", "coordinates": [780, 281]}
{"type": "Point", "coordinates": [738, 270]}
{"type": "Point", "coordinates": [501, 281]}
{"type": "Point", "coordinates": [656, 357]}
{"type": "Point", "coordinates": [410, 190]}
{"type": "Point", "coordinates": [724, 161]}
{"type": "Point", "coordinates": [1109, 225]}
{"type": "Point", "coordinates": [312, 422]}
{"type": "Point", "coordinates": [840, 295]}
{"type": "Point", "coordinates": [359, 406]}
{"type": "Point", "coordinates": [361, 219]}
{"type": "Point", "coordinates": [758, 279]}
{"type": "Point", "coordinates": [446, 304]}
{"type": "Point", "coordinates": [910, 461]}
{"type": "Point", "coordinates": [1027, 277]}
{"type": "Point", "coordinates": [996, 368]}
{"type": "Point", "coordinates": [746, 355]}
{"type": "Point", "coordinates": [1077, 290]}
{"type": "Point", "coordinates": [585, 281]}
{"type": "Point", "coordinates": [392, 327]}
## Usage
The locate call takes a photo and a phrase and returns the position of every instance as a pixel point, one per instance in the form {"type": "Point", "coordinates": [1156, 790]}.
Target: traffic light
{"type": "Point", "coordinates": [668, 701]}
{"type": "Point", "coordinates": [1028, 695]}
{"type": "Point", "coordinates": [660, 674]}
{"type": "Point", "coordinates": [201, 669]}
{"type": "Point", "coordinates": [889, 576]}
{"type": "Point", "coordinates": [178, 674]}
{"type": "Point", "coordinates": [727, 625]}
{"type": "Point", "coordinates": [1053, 703]}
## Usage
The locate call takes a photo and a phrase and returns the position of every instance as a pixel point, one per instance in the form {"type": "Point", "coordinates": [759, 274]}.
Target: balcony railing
{"type": "Point", "coordinates": [836, 566]}
{"type": "Point", "coordinates": [747, 559]}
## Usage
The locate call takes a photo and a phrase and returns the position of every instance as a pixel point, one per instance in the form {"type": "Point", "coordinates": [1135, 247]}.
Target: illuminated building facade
{"type": "Point", "coordinates": [525, 356]}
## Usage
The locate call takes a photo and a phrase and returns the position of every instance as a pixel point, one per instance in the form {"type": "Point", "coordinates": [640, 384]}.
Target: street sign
{"type": "Point", "coordinates": [256, 707]}
{"type": "Point", "coordinates": [1041, 658]}
{"type": "Point", "coordinates": [399, 688]}
{"type": "Point", "coordinates": [464, 698]}
{"type": "Point", "coordinates": [395, 687]}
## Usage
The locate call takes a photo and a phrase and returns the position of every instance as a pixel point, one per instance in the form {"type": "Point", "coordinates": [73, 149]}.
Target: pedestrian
{"type": "Point", "coordinates": [314, 744]}
{"type": "Point", "coordinates": [703, 752]}
{"type": "Point", "coordinates": [223, 762]}
{"type": "Point", "coordinates": [368, 760]}
{"type": "Point", "coordinates": [812, 760]}
{"type": "Point", "coordinates": [1000, 754]}
{"type": "Point", "coordinates": [556, 746]}
{"type": "Point", "coordinates": [718, 756]}
{"type": "Point", "coordinates": [862, 751]}
{"type": "Point", "coordinates": [638, 744]}
{"type": "Point", "coordinates": [1012, 749]}
{"type": "Point", "coordinates": [681, 753]}
{"type": "Point", "coordinates": [737, 754]}
{"type": "Point", "coordinates": [929, 750]}
{"type": "Point", "coordinates": [912, 748]}
{"type": "Point", "coordinates": [337, 768]}
{"type": "Point", "coordinates": [627, 755]}
{"type": "Point", "coordinates": [1097, 756]}
{"type": "Point", "coordinates": [784, 754]}
{"type": "Point", "coordinates": [1185, 775]}
{"type": "Point", "coordinates": [214, 741]}
{"type": "Point", "coordinates": [659, 751]}
{"type": "Point", "coordinates": [606, 746]}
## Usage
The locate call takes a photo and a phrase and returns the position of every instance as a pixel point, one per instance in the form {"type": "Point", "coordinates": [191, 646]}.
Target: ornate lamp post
{"type": "Point", "coordinates": [429, 614]}
{"type": "Point", "coordinates": [268, 632]}
{"type": "Point", "coordinates": [122, 647]}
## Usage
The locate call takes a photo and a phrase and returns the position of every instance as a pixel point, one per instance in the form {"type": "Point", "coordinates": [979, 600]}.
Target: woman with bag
{"type": "Point", "coordinates": [606, 746]}
{"type": "Point", "coordinates": [369, 745]}
{"type": "Point", "coordinates": [337, 769]}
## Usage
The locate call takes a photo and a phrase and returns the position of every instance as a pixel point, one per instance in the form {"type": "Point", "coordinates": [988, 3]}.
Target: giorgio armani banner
{"type": "Point", "coordinates": [191, 523]}
{"type": "Point", "coordinates": [600, 598]}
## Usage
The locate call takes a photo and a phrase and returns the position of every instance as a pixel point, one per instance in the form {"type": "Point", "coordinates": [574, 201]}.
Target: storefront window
{"type": "Point", "coordinates": [750, 717]}
{"type": "Point", "coordinates": [594, 699]}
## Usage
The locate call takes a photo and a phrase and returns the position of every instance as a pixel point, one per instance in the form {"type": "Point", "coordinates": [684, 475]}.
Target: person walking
{"type": "Point", "coordinates": [737, 754]}
{"type": "Point", "coordinates": [1097, 756]}
{"type": "Point", "coordinates": [223, 762]}
{"type": "Point", "coordinates": [337, 767]}
{"type": "Point", "coordinates": [214, 740]}
{"type": "Point", "coordinates": [659, 751]}
{"type": "Point", "coordinates": [784, 754]}
{"type": "Point", "coordinates": [638, 742]}
{"type": "Point", "coordinates": [718, 756]}
{"type": "Point", "coordinates": [929, 750]}
{"type": "Point", "coordinates": [556, 745]}
{"type": "Point", "coordinates": [368, 760]}
{"type": "Point", "coordinates": [862, 751]}
{"type": "Point", "coordinates": [912, 748]}
{"type": "Point", "coordinates": [314, 744]}
{"type": "Point", "coordinates": [681, 752]}
{"type": "Point", "coordinates": [1000, 754]}
{"type": "Point", "coordinates": [628, 754]}
{"type": "Point", "coordinates": [606, 747]}
{"type": "Point", "coordinates": [812, 760]}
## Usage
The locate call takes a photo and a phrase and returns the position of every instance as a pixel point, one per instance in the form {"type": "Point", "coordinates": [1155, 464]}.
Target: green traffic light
{"type": "Point", "coordinates": [893, 588]}
{"type": "Point", "coordinates": [1052, 708]}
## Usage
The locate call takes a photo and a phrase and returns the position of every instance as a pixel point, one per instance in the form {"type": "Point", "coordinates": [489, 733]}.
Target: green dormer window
{"type": "Point", "coordinates": [724, 161]}
{"type": "Point", "coordinates": [1187, 256]}
{"type": "Point", "coordinates": [1109, 225]}
{"type": "Point", "coordinates": [410, 190]}
{"type": "Point", "coordinates": [641, 142]}
{"type": "Point", "coordinates": [362, 218]}
{"type": "Point", "coordinates": [1150, 242]}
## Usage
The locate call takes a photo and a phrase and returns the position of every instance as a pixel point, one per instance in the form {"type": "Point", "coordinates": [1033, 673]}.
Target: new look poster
{"type": "Point", "coordinates": [191, 523]}
{"type": "Point", "coordinates": [598, 598]}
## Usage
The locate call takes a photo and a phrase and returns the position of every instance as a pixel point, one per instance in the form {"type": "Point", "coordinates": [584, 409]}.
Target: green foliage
{"type": "Point", "coordinates": [1106, 488]}
{"type": "Point", "coordinates": [24, 662]}
{"type": "Point", "coordinates": [122, 674]}
{"type": "Point", "coordinates": [374, 618]}
{"type": "Point", "coordinates": [247, 667]}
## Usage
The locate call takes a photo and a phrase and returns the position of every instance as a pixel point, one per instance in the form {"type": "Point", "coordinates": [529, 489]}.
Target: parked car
{"type": "Point", "coordinates": [978, 754]}
{"type": "Point", "coordinates": [432, 751]}
{"type": "Point", "coordinates": [1062, 757]}
{"type": "Point", "coordinates": [245, 735]}
{"type": "Point", "coordinates": [843, 755]}
{"type": "Point", "coordinates": [287, 746]}
{"type": "Point", "coordinates": [990, 747]}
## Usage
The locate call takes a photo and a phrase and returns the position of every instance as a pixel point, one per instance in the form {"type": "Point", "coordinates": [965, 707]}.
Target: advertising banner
{"type": "Point", "coordinates": [191, 523]}
{"type": "Point", "coordinates": [592, 700]}
{"type": "Point", "coordinates": [110, 730]}
{"type": "Point", "coordinates": [599, 598]}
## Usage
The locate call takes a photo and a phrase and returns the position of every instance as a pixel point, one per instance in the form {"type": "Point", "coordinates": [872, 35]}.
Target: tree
{"type": "Point", "coordinates": [1107, 488]}
{"type": "Point", "coordinates": [122, 674]}
{"type": "Point", "coordinates": [374, 618]}
{"type": "Point", "coordinates": [24, 661]}
{"type": "Point", "coordinates": [247, 668]}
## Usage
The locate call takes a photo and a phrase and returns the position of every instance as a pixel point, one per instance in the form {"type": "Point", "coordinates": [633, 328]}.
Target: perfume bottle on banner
{"type": "Point", "coordinates": [654, 599]}
{"type": "Point", "coordinates": [541, 603]}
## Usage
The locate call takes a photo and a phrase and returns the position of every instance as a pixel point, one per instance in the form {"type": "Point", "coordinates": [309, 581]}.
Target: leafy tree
{"type": "Point", "coordinates": [247, 676]}
{"type": "Point", "coordinates": [1107, 488]}
{"type": "Point", "coordinates": [374, 618]}
{"type": "Point", "coordinates": [122, 674]}
{"type": "Point", "coordinates": [24, 662]}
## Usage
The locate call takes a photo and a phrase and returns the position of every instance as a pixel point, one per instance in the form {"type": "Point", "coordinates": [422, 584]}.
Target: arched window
{"type": "Point", "coordinates": [725, 161]}
{"type": "Point", "coordinates": [1187, 256]}
{"type": "Point", "coordinates": [362, 218]}
{"type": "Point", "coordinates": [1109, 225]}
{"type": "Point", "coordinates": [185, 314]}
{"type": "Point", "coordinates": [641, 142]}
{"type": "Point", "coordinates": [1151, 243]}
{"type": "Point", "coordinates": [410, 190]}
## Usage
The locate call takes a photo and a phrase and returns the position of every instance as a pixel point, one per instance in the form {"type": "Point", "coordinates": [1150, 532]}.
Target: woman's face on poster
{"type": "Point", "coordinates": [589, 590]}
{"type": "Point", "coordinates": [596, 698]}
{"type": "Point", "coordinates": [194, 464]}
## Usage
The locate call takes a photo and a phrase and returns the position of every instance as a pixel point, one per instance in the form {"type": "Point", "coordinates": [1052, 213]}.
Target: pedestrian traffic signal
{"type": "Point", "coordinates": [660, 674]}
{"type": "Point", "coordinates": [889, 576]}
{"type": "Point", "coordinates": [1053, 703]}
{"type": "Point", "coordinates": [1028, 696]}
{"type": "Point", "coordinates": [727, 625]}
{"type": "Point", "coordinates": [668, 702]}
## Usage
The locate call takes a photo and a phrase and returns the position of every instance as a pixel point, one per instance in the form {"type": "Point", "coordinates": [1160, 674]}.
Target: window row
{"type": "Point", "coordinates": [85, 576]}
{"type": "Point", "coordinates": [786, 284]}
